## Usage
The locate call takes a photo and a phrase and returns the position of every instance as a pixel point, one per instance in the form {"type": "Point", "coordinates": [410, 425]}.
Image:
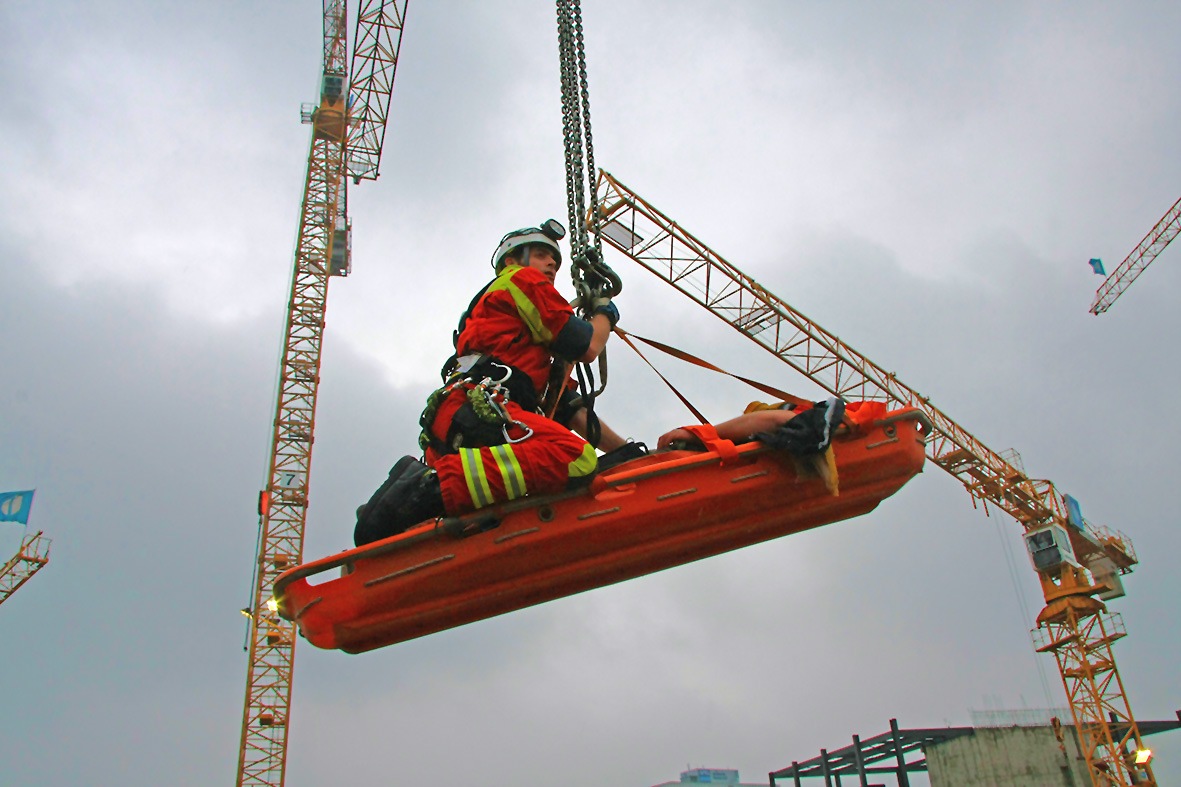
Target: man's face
{"type": "Point", "coordinates": [541, 258]}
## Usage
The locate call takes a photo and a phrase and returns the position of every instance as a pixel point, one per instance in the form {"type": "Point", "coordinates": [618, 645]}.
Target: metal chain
{"type": "Point", "coordinates": [586, 126]}
{"type": "Point", "coordinates": [591, 276]}
{"type": "Point", "coordinates": [576, 129]}
{"type": "Point", "coordinates": [571, 126]}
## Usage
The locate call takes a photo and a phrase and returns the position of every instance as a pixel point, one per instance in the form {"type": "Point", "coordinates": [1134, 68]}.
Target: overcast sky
{"type": "Point", "coordinates": [926, 181]}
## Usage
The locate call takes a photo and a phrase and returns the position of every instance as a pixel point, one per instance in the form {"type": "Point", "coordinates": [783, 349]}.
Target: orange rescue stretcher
{"type": "Point", "coordinates": [651, 513]}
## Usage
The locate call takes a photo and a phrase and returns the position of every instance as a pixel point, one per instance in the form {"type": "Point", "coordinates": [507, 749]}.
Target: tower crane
{"type": "Point", "coordinates": [1134, 264]}
{"type": "Point", "coordinates": [1079, 564]}
{"type": "Point", "coordinates": [30, 557]}
{"type": "Point", "coordinates": [348, 130]}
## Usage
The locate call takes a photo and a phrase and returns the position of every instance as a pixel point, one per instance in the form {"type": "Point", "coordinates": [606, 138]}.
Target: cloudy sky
{"type": "Point", "coordinates": [928, 182]}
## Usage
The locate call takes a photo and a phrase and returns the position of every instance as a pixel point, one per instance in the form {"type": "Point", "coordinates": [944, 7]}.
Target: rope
{"type": "Point", "coordinates": [684, 356]}
{"type": "Point", "coordinates": [671, 387]}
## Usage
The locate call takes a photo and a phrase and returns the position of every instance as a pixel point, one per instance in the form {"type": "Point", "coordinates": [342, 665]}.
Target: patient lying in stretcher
{"type": "Point", "coordinates": [804, 432]}
{"type": "Point", "coordinates": [781, 425]}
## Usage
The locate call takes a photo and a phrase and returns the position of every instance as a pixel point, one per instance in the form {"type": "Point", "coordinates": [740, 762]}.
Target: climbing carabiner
{"type": "Point", "coordinates": [522, 438]}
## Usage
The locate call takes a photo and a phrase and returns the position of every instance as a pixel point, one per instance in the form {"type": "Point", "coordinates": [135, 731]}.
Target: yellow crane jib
{"type": "Point", "coordinates": [1079, 563]}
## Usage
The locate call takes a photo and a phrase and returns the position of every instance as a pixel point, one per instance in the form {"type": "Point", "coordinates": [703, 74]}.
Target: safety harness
{"type": "Point", "coordinates": [482, 419]}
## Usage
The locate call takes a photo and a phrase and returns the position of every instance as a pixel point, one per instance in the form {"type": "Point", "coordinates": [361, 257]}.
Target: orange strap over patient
{"type": "Point", "coordinates": [708, 436]}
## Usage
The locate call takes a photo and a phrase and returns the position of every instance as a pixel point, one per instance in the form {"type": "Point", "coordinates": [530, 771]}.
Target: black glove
{"type": "Point", "coordinates": [810, 432]}
{"type": "Point", "coordinates": [606, 307]}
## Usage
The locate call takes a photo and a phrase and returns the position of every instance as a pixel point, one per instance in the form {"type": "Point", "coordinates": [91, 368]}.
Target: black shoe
{"type": "Point", "coordinates": [408, 496]}
{"type": "Point", "coordinates": [810, 432]}
{"type": "Point", "coordinates": [396, 472]}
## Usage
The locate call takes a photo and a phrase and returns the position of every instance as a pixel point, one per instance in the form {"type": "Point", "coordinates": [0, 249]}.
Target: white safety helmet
{"type": "Point", "coordinates": [548, 235]}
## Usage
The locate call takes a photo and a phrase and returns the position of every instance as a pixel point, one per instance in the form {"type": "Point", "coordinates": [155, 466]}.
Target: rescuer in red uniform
{"type": "Point", "coordinates": [485, 437]}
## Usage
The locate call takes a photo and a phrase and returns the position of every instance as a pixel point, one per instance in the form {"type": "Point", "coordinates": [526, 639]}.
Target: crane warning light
{"type": "Point", "coordinates": [1143, 756]}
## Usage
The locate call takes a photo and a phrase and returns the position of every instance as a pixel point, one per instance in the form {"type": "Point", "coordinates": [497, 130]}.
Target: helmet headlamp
{"type": "Point", "coordinates": [553, 230]}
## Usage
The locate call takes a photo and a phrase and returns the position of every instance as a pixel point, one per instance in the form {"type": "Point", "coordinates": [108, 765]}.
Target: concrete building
{"type": "Point", "coordinates": [1044, 755]}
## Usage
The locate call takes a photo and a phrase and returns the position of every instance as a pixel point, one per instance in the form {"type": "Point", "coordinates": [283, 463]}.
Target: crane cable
{"type": "Point", "coordinates": [593, 279]}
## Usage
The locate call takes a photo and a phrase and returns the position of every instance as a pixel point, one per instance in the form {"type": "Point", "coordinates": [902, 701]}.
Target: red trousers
{"type": "Point", "coordinates": [545, 458]}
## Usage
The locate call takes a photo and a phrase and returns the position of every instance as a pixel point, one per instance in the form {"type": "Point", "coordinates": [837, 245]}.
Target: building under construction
{"type": "Point", "coordinates": [1017, 748]}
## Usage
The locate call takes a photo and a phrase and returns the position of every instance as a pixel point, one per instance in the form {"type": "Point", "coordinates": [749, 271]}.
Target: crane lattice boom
{"type": "Point", "coordinates": [376, 44]}
{"type": "Point", "coordinates": [30, 558]}
{"type": "Point", "coordinates": [1134, 264]}
{"type": "Point", "coordinates": [656, 242]}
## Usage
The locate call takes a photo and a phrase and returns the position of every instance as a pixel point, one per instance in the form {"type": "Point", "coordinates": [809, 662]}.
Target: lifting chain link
{"type": "Point", "coordinates": [592, 277]}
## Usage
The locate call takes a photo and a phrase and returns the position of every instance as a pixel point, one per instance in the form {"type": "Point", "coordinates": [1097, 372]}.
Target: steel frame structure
{"type": "Point", "coordinates": [348, 130]}
{"type": "Point", "coordinates": [30, 557]}
{"type": "Point", "coordinates": [901, 752]}
{"type": "Point", "coordinates": [898, 753]}
{"type": "Point", "coordinates": [640, 231]}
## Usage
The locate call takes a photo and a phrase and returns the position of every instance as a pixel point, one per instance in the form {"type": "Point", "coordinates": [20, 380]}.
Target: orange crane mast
{"type": "Point", "coordinates": [30, 557]}
{"type": "Point", "coordinates": [1075, 625]}
{"type": "Point", "coordinates": [348, 130]}
{"type": "Point", "coordinates": [1134, 264]}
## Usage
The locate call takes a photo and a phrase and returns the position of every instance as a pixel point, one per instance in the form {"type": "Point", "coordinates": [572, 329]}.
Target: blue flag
{"type": "Point", "coordinates": [1097, 266]}
{"type": "Point", "coordinates": [14, 506]}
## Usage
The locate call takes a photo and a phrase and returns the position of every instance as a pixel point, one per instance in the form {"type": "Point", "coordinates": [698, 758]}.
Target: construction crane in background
{"type": "Point", "coordinates": [1134, 264]}
{"type": "Point", "coordinates": [348, 130]}
{"type": "Point", "coordinates": [30, 558]}
{"type": "Point", "coordinates": [1079, 565]}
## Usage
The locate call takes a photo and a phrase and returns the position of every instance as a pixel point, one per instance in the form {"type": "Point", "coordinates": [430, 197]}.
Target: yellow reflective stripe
{"type": "Point", "coordinates": [584, 465]}
{"type": "Point", "coordinates": [510, 471]}
{"type": "Point", "coordinates": [473, 473]}
{"type": "Point", "coordinates": [525, 307]}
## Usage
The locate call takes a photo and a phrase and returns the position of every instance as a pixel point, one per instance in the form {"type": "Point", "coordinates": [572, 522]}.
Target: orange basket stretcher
{"type": "Point", "coordinates": [654, 512]}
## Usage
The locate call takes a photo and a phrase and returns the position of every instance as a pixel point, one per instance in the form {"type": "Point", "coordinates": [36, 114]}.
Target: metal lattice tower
{"type": "Point", "coordinates": [1079, 632]}
{"type": "Point", "coordinates": [348, 129]}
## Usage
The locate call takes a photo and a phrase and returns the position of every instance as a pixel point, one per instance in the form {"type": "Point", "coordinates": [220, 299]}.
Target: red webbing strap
{"type": "Point", "coordinates": [623, 335]}
{"type": "Point", "coordinates": [862, 413]}
{"type": "Point", "coordinates": [708, 436]}
{"type": "Point", "coordinates": [558, 399]}
{"type": "Point", "coordinates": [684, 356]}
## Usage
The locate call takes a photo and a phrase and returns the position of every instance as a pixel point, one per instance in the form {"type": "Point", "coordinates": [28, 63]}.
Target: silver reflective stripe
{"type": "Point", "coordinates": [510, 471]}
